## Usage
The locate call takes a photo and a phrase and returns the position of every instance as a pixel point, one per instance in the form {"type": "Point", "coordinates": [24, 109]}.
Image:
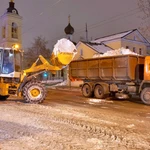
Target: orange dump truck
{"type": "Point", "coordinates": [123, 76]}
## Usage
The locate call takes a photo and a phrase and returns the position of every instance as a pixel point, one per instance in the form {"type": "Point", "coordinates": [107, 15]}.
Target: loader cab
{"type": "Point", "coordinates": [10, 62]}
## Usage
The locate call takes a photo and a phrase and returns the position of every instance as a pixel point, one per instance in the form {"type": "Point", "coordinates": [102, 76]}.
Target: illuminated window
{"type": "Point", "coordinates": [14, 30]}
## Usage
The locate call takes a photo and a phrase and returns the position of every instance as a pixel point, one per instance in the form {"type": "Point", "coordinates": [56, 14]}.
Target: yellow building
{"type": "Point", "coordinates": [88, 50]}
{"type": "Point", "coordinates": [131, 39]}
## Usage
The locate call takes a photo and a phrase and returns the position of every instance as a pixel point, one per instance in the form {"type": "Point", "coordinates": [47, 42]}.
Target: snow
{"type": "Point", "coordinates": [121, 51]}
{"type": "Point", "coordinates": [112, 37]}
{"type": "Point", "coordinates": [130, 126]}
{"type": "Point", "coordinates": [52, 81]}
{"type": "Point", "coordinates": [100, 48]}
{"type": "Point", "coordinates": [57, 82]}
{"type": "Point", "coordinates": [98, 100]}
{"type": "Point", "coordinates": [64, 46]}
{"type": "Point", "coordinates": [64, 83]}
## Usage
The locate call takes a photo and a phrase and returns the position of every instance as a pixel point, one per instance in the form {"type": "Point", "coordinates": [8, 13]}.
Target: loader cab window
{"type": "Point", "coordinates": [8, 62]}
{"type": "Point", "coordinates": [18, 61]}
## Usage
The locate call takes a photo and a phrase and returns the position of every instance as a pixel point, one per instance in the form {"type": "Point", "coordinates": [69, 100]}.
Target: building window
{"type": "Point", "coordinates": [81, 52]}
{"type": "Point", "coordinates": [134, 38]}
{"type": "Point", "coordinates": [127, 47]}
{"type": "Point", "coordinates": [140, 51]}
{"type": "Point", "coordinates": [3, 32]}
{"type": "Point", "coordinates": [134, 50]}
{"type": "Point", "coordinates": [14, 30]}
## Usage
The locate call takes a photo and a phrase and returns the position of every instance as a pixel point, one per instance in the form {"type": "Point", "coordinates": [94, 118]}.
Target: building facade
{"type": "Point", "coordinates": [131, 39]}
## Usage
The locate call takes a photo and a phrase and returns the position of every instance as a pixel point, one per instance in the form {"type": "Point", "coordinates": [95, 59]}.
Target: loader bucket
{"type": "Point", "coordinates": [63, 52]}
{"type": "Point", "coordinates": [65, 58]}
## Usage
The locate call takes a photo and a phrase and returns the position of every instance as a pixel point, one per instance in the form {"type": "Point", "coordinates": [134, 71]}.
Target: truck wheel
{"type": "Point", "coordinates": [86, 91]}
{"type": "Point", "coordinates": [34, 92]}
{"type": "Point", "coordinates": [3, 98]}
{"type": "Point", "coordinates": [99, 92]}
{"type": "Point", "coordinates": [145, 96]}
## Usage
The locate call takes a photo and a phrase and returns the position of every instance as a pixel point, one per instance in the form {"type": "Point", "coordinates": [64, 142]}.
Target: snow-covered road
{"type": "Point", "coordinates": [67, 121]}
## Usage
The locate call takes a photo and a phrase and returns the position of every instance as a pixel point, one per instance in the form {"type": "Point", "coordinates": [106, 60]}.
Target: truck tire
{"type": "Point", "coordinates": [145, 96]}
{"type": "Point", "coordinates": [3, 98]}
{"type": "Point", "coordinates": [87, 91]}
{"type": "Point", "coordinates": [99, 92]}
{"type": "Point", "coordinates": [34, 92]}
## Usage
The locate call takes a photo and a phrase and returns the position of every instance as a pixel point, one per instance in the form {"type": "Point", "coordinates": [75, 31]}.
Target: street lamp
{"type": "Point", "coordinates": [15, 46]}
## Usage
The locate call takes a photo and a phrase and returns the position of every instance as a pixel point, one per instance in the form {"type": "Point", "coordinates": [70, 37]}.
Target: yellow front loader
{"type": "Point", "coordinates": [15, 81]}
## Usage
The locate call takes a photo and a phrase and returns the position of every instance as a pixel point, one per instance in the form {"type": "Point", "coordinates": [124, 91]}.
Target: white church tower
{"type": "Point", "coordinates": [11, 27]}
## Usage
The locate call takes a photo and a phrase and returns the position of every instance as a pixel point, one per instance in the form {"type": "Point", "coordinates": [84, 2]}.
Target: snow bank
{"type": "Point", "coordinates": [121, 51]}
{"type": "Point", "coordinates": [64, 83]}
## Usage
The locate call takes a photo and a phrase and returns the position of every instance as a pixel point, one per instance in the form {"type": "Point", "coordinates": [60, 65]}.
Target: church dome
{"type": "Point", "coordinates": [69, 29]}
{"type": "Point", "coordinates": [11, 8]}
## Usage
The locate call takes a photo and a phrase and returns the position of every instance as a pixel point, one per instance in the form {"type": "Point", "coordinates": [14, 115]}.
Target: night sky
{"type": "Point", "coordinates": [48, 18]}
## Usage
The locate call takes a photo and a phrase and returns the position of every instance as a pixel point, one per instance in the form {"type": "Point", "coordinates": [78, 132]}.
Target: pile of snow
{"type": "Point", "coordinates": [52, 81]}
{"type": "Point", "coordinates": [64, 83]}
{"type": "Point", "coordinates": [121, 51]}
{"type": "Point", "coordinates": [64, 46]}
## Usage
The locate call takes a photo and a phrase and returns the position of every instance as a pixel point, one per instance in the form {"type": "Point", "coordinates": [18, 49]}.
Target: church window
{"type": "Point", "coordinates": [14, 30]}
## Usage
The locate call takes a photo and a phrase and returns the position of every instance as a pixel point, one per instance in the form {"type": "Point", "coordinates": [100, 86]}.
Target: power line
{"type": "Point", "coordinates": [111, 19]}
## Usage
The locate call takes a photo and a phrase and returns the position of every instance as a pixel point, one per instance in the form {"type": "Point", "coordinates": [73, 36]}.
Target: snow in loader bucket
{"type": "Point", "coordinates": [64, 52]}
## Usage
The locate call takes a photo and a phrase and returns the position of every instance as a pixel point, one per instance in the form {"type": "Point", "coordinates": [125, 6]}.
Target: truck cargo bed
{"type": "Point", "coordinates": [122, 67]}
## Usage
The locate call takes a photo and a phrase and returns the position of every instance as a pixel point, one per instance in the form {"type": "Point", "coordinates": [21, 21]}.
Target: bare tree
{"type": "Point", "coordinates": [144, 6]}
{"type": "Point", "coordinates": [38, 48]}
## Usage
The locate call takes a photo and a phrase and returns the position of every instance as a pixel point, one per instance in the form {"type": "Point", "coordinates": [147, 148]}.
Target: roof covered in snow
{"type": "Point", "coordinates": [100, 48]}
{"type": "Point", "coordinates": [112, 37]}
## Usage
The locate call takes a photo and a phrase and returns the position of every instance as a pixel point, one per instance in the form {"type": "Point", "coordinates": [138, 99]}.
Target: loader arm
{"type": "Point", "coordinates": [44, 66]}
